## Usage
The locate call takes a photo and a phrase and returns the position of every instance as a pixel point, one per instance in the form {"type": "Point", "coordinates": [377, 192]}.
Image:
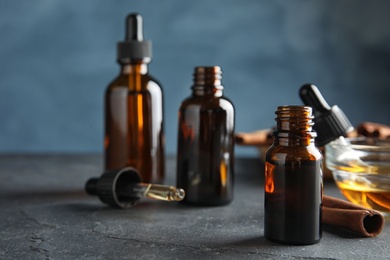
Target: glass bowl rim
{"type": "Point", "coordinates": [372, 144]}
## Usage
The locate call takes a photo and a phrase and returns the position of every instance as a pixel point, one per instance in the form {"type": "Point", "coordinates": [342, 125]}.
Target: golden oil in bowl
{"type": "Point", "coordinates": [361, 171]}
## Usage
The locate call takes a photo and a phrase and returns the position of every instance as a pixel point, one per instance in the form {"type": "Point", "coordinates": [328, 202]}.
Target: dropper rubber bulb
{"type": "Point", "coordinates": [311, 96]}
{"type": "Point", "coordinates": [330, 123]}
{"type": "Point", "coordinates": [134, 30]}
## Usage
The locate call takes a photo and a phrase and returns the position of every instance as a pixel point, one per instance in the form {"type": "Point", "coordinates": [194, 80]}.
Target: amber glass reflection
{"type": "Point", "coordinates": [205, 160]}
{"type": "Point", "coordinates": [293, 180]}
{"type": "Point", "coordinates": [134, 123]}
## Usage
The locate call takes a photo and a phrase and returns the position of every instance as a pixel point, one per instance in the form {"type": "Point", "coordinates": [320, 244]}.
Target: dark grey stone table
{"type": "Point", "coordinates": [45, 214]}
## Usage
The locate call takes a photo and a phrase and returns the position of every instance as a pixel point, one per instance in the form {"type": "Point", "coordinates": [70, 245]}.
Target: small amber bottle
{"type": "Point", "coordinates": [205, 159]}
{"type": "Point", "coordinates": [293, 180]}
{"type": "Point", "coordinates": [134, 110]}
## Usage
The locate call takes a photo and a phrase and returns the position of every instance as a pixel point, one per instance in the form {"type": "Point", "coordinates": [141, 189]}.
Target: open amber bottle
{"type": "Point", "coordinates": [293, 180]}
{"type": "Point", "coordinates": [134, 110]}
{"type": "Point", "coordinates": [205, 158]}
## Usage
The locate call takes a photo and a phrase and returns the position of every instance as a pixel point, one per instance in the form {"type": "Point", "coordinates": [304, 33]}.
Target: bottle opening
{"type": "Point", "coordinates": [298, 119]}
{"type": "Point", "coordinates": [208, 75]}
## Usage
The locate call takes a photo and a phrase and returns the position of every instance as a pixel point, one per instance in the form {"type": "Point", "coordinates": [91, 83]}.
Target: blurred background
{"type": "Point", "coordinates": [57, 58]}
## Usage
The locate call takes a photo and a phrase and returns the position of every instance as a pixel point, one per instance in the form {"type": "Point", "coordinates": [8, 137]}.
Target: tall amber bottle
{"type": "Point", "coordinates": [134, 110]}
{"type": "Point", "coordinates": [293, 180]}
{"type": "Point", "coordinates": [205, 159]}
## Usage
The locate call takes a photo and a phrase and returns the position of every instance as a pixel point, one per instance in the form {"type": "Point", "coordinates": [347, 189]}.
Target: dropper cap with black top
{"type": "Point", "coordinates": [134, 47]}
{"type": "Point", "coordinates": [123, 188]}
{"type": "Point", "coordinates": [330, 122]}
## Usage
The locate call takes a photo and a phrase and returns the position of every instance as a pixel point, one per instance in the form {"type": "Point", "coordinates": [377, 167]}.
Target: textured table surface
{"type": "Point", "coordinates": [45, 214]}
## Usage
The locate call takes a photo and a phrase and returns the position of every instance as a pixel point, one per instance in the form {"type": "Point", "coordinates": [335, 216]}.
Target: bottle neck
{"type": "Point", "coordinates": [207, 81]}
{"type": "Point", "coordinates": [294, 126]}
{"type": "Point", "coordinates": [134, 67]}
{"type": "Point", "coordinates": [215, 91]}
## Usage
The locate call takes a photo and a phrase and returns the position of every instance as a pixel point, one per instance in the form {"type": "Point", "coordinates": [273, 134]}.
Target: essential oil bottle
{"type": "Point", "coordinates": [134, 132]}
{"type": "Point", "coordinates": [205, 158]}
{"type": "Point", "coordinates": [293, 180]}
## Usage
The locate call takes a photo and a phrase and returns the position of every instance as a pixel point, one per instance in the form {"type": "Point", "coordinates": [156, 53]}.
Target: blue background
{"type": "Point", "coordinates": [57, 57]}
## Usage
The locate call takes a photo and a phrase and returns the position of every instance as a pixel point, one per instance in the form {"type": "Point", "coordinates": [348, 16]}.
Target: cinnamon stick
{"type": "Point", "coordinates": [263, 137]}
{"type": "Point", "coordinates": [260, 138]}
{"type": "Point", "coordinates": [343, 214]}
{"type": "Point", "coordinates": [370, 129]}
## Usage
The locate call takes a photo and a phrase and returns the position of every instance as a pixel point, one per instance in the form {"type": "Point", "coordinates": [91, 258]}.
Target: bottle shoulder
{"type": "Point", "coordinates": [206, 102]}
{"type": "Point", "coordinates": [293, 153]}
{"type": "Point", "coordinates": [151, 78]}
{"type": "Point", "coordinates": [125, 82]}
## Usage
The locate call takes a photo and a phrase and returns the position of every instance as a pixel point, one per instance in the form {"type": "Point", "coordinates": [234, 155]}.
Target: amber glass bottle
{"type": "Point", "coordinates": [293, 180]}
{"type": "Point", "coordinates": [134, 110]}
{"type": "Point", "coordinates": [205, 160]}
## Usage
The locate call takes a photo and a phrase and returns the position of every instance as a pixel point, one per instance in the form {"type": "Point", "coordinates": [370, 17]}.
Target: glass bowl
{"type": "Point", "coordinates": [361, 170]}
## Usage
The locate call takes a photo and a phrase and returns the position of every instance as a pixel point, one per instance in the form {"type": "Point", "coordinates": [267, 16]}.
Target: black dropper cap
{"type": "Point", "coordinates": [112, 187]}
{"type": "Point", "coordinates": [330, 122]}
{"type": "Point", "coordinates": [134, 47]}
